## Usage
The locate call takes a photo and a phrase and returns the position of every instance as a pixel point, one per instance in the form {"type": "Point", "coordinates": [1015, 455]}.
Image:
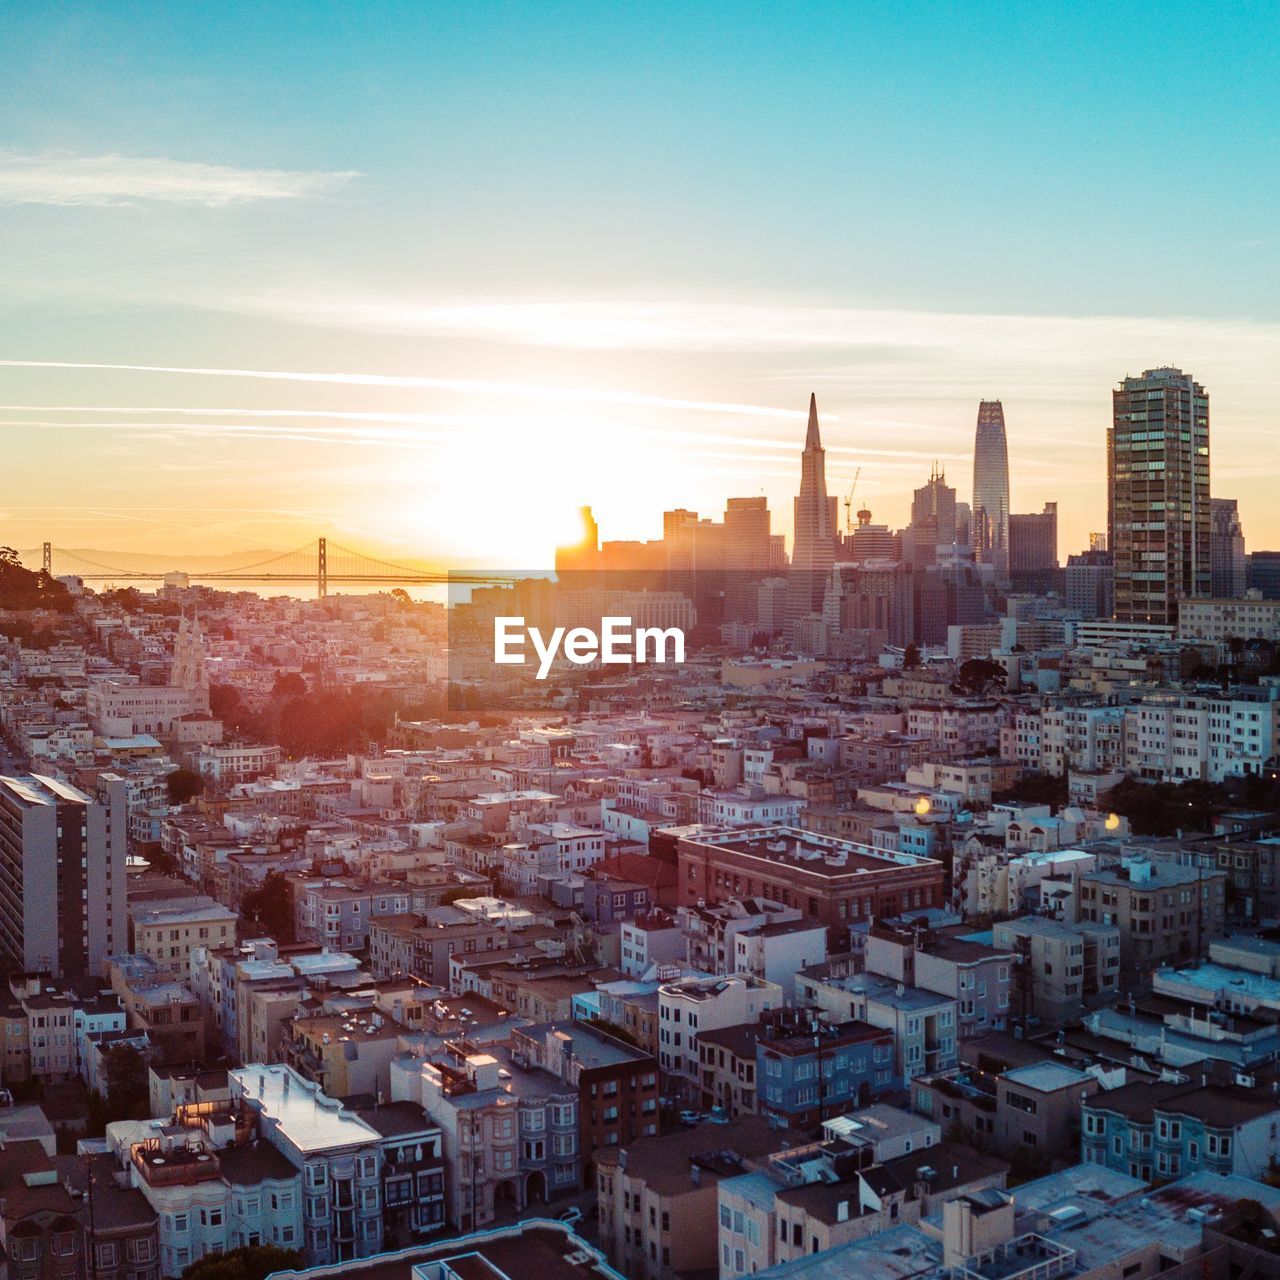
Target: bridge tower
{"type": "Point", "coordinates": [46, 558]}
{"type": "Point", "coordinates": [322, 568]}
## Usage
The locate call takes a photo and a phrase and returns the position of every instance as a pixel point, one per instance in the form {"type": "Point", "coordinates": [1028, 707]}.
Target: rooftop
{"type": "Point", "coordinates": [308, 1118]}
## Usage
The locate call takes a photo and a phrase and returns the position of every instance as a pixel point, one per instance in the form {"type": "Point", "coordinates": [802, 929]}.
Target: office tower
{"type": "Point", "coordinates": [933, 519]}
{"type": "Point", "coordinates": [1033, 540]}
{"type": "Point", "coordinates": [1091, 583]}
{"type": "Point", "coordinates": [990, 517]}
{"type": "Point", "coordinates": [1158, 494]}
{"type": "Point", "coordinates": [748, 549]}
{"type": "Point", "coordinates": [746, 534]}
{"type": "Point", "coordinates": [63, 905]}
{"type": "Point", "coordinates": [1264, 574]}
{"type": "Point", "coordinates": [813, 545]}
{"type": "Point", "coordinates": [964, 524]}
{"type": "Point", "coordinates": [1228, 563]}
{"type": "Point", "coordinates": [872, 541]}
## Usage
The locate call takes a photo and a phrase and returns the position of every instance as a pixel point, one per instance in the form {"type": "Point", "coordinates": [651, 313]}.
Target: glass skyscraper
{"type": "Point", "coordinates": [990, 515]}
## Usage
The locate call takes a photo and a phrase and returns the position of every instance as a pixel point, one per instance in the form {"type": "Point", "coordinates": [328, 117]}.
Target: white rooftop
{"type": "Point", "coordinates": [308, 1118]}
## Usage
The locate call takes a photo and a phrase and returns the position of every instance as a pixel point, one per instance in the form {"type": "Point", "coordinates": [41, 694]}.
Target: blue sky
{"type": "Point", "coordinates": [551, 215]}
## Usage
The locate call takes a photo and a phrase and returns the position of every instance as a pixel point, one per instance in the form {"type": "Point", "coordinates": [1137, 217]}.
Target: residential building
{"type": "Point", "coordinates": [807, 1073]}
{"type": "Point", "coordinates": [1165, 1130]}
{"type": "Point", "coordinates": [1165, 913]}
{"type": "Point", "coordinates": [62, 874]}
{"type": "Point", "coordinates": [693, 1005]}
{"type": "Point", "coordinates": [340, 1157]}
{"type": "Point", "coordinates": [657, 1198]}
{"type": "Point", "coordinates": [413, 1171]}
{"type": "Point", "coordinates": [1159, 513]}
{"type": "Point", "coordinates": [837, 882]}
{"type": "Point", "coordinates": [1060, 969]}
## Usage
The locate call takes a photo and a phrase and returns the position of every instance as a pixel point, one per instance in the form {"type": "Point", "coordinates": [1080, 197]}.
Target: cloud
{"type": "Point", "coordinates": [878, 336]}
{"type": "Point", "coordinates": [63, 178]}
{"type": "Point", "coordinates": [517, 390]}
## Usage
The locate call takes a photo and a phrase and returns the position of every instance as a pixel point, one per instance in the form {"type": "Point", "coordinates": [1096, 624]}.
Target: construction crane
{"type": "Point", "coordinates": [848, 502]}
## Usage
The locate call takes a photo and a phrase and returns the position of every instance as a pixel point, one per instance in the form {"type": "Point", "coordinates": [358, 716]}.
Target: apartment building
{"type": "Point", "coordinates": [168, 933]}
{"type": "Point", "coordinates": [1166, 914]}
{"type": "Point", "coordinates": [413, 1171]}
{"type": "Point", "coordinates": [1168, 1130]}
{"type": "Point", "coordinates": [339, 1155]}
{"type": "Point", "coordinates": [976, 977]}
{"type": "Point", "coordinates": [510, 1133]}
{"type": "Point", "coordinates": [63, 907]}
{"type": "Point", "coordinates": [657, 1198]}
{"type": "Point", "coordinates": [617, 1084]}
{"type": "Point", "coordinates": [835, 881]}
{"type": "Point", "coordinates": [693, 1005]}
{"type": "Point", "coordinates": [1060, 969]}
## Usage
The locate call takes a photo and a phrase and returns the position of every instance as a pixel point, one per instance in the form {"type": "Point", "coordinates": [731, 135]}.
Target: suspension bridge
{"type": "Point", "coordinates": [320, 561]}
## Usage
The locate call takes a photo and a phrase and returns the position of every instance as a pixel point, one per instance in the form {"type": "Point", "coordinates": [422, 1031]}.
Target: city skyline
{"type": "Point", "coordinates": [429, 366]}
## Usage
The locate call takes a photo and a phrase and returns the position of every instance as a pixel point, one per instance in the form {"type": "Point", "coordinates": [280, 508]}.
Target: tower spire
{"type": "Point", "coordinates": [812, 440]}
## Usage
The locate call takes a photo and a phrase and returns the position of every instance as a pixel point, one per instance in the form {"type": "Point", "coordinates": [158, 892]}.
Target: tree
{"type": "Point", "coordinates": [1165, 808]}
{"type": "Point", "coordinates": [910, 657]}
{"type": "Point", "coordinates": [125, 1071]}
{"type": "Point", "coordinates": [183, 785]}
{"type": "Point", "coordinates": [271, 907]}
{"type": "Point", "coordinates": [977, 675]}
{"type": "Point", "coordinates": [289, 684]}
{"type": "Point", "coordinates": [23, 589]}
{"type": "Point", "coordinates": [249, 1262]}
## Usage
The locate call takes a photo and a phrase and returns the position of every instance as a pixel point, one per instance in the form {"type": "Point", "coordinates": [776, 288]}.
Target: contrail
{"type": "Point", "coordinates": [513, 389]}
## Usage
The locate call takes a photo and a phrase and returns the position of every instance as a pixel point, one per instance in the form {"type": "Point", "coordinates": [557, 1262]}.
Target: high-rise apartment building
{"type": "Point", "coordinates": [62, 874]}
{"type": "Point", "coordinates": [1158, 494]}
{"type": "Point", "coordinates": [1226, 550]}
{"type": "Point", "coordinates": [813, 548]}
{"type": "Point", "coordinates": [989, 518]}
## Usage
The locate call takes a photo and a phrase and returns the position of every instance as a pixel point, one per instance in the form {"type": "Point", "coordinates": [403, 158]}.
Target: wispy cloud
{"type": "Point", "coordinates": [64, 178]}
{"type": "Point", "coordinates": [641, 324]}
{"type": "Point", "coordinates": [517, 390]}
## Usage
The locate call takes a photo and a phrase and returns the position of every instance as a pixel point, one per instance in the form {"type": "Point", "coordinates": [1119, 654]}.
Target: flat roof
{"type": "Point", "coordinates": [1047, 1077]}
{"type": "Point", "coordinates": [310, 1119]}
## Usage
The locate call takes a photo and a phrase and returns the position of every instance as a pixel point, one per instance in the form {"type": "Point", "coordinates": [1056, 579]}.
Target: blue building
{"type": "Point", "coordinates": [1164, 1130]}
{"type": "Point", "coordinates": [805, 1076]}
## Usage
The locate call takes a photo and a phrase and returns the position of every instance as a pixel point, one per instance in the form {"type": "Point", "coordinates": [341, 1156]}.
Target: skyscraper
{"type": "Point", "coordinates": [1033, 540]}
{"type": "Point", "coordinates": [1226, 550]}
{"type": "Point", "coordinates": [1158, 494]}
{"type": "Point", "coordinates": [813, 546]}
{"type": "Point", "coordinates": [62, 874]}
{"type": "Point", "coordinates": [990, 516]}
{"type": "Point", "coordinates": [933, 519]}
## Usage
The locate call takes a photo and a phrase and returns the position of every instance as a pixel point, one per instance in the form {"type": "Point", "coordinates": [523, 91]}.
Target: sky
{"type": "Point", "coordinates": [426, 277]}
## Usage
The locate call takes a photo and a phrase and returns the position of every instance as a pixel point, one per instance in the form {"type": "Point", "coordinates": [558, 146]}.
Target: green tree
{"type": "Point", "coordinates": [183, 785]}
{"type": "Point", "coordinates": [271, 907]}
{"type": "Point", "coordinates": [125, 1071]}
{"type": "Point", "coordinates": [249, 1262]}
{"type": "Point", "coordinates": [23, 589]}
{"type": "Point", "coordinates": [977, 675]}
{"type": "Point", "coordinates": [910, 657]}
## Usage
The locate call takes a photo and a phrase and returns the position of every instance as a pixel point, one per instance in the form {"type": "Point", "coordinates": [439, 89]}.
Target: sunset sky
{"type": "Point", "coordinates": [425, 277]}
